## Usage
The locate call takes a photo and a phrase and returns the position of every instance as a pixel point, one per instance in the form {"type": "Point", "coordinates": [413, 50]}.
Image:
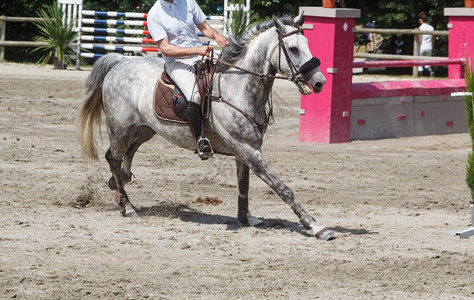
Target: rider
{"type": "Point", "coordinates": [172, 26]}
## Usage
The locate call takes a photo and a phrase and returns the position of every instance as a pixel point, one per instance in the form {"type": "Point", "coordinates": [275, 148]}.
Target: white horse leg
{"type": "Point", "coordinates": [255, 161]}
{"type": "Point", "coordinates": [243, 214]}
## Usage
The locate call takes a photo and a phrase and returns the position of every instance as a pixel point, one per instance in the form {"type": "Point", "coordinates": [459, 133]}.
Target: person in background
{"type": "Point", "coordinates": [172, 25]}
{"type": "Point", "coordinates": [426, 42]}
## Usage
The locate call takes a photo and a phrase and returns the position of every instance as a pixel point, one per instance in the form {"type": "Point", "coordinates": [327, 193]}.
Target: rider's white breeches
{"type": "Point", "coordinates": [181, 71]}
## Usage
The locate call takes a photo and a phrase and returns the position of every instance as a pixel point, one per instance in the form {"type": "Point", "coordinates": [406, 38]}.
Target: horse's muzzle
{"type": "Point", "coordinates": [317, 87]}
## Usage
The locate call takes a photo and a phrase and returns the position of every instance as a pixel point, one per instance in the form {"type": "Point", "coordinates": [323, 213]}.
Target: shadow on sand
{"type": "Point", "coordinates": [187, 214]}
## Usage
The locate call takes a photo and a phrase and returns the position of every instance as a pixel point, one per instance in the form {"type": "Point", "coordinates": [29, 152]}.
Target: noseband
{"type": "Point", "coordinates": [304, 68]}
{"type": "Point", "coordinates": [311, 64]}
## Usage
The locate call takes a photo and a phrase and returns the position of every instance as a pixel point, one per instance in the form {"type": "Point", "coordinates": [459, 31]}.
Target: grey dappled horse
{"type": "Point", "coordinates": [123, 88]}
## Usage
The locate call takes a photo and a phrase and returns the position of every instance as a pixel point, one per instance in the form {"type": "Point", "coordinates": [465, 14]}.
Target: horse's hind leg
{"type": "Point", "coordinates": [142, 134]}
{"type": "Point", "coordinates": [116, 180]}
{"type": "Point", "coordinates": [120, 139]}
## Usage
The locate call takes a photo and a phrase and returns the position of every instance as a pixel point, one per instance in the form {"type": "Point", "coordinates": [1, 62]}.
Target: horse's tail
{"type": "Point", "coordinates": [91, 112]}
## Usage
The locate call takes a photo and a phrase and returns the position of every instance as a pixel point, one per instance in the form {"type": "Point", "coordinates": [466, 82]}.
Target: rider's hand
{"type": "Point", "coordinates": [203, 50]}
{"type": "Point", "coordinates": [222, 41]}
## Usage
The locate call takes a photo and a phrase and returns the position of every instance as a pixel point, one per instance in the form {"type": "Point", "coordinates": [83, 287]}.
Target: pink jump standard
{"type": "Point", "coordinates": [325, 117]}
{"type": "Point", "coordinates": [461, 37]}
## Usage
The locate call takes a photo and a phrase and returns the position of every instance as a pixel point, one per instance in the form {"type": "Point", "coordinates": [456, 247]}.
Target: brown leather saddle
{"type": "Point", "coordinates": [169, 102]}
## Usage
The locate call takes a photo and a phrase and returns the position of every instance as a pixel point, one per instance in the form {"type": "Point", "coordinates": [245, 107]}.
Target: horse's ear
{"type": "Point", "coordinates": [278, 24]}
{"type": "Point", "coordinates": [299, 20]}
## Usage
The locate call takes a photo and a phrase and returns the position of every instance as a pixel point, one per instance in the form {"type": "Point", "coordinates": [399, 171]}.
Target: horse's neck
{"type": "Point", "coordinates": [258, 55]}
{"type": "Point", "coordinates": [258, 60]}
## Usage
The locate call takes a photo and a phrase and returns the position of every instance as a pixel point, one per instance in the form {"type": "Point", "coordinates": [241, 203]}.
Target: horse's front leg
{"type": "Point", "coordinates": [255, 161]}
{"type": "Point", "coordinates": [243, 213]}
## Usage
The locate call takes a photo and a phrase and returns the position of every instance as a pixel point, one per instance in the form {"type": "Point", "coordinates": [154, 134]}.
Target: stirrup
{"type": "Point", "coordinates": [204, 148]}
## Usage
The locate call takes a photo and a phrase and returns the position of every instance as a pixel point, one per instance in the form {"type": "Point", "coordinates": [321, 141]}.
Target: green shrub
{"type": "Point", "coordinates": [469, 77]}
{"type": "Point", "coordinates": [58, 36]}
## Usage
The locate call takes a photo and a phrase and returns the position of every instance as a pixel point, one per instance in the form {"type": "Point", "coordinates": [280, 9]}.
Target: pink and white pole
{"type": "Point", "coordinates": [325, 117]}
{"type": "Point", "coordinates": [461, 37]}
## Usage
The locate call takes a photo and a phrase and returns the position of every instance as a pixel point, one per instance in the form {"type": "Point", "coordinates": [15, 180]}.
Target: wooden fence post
{"type": "Point", "coordinates": [3, 30]}
{"type": "Point", "coordinates": [416, 52]}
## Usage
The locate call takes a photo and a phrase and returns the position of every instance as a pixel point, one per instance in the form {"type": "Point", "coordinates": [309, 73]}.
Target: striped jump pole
{"type": "Point", "coordinates": [120, 48]}
{"type": "Point", "coordinates": [114, 14]}
{"type": "Point", "coordinates": [90, 38]}
{"type": "Point", "coordinates": [115, 30]}
{"type": "Point", "coordinates": [113, 22]}
{"type": "Point", "coordinates": [100, 36]}
{"type": "Point", "coordinates": [126, 22]}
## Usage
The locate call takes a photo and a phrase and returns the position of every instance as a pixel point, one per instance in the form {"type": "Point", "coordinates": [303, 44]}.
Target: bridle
{"type": "Point", "coordinates": [295, 73]}
{"type": "Point", "coordinates": [304, 68]}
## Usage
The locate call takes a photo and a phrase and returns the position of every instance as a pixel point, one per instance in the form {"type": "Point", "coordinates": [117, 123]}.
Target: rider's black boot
{"type": "Point", "coordinates": [203, 145]}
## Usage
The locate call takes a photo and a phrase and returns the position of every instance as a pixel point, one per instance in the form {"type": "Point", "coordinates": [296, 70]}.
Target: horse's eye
{"type": "Point", "coordinates": [294, 49]}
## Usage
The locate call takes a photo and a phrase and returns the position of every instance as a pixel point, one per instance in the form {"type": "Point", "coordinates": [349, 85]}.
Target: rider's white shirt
{"type": "Point", "coordinates": [176, 21]}
{"type": "Point", "coordinates": [426, 38]}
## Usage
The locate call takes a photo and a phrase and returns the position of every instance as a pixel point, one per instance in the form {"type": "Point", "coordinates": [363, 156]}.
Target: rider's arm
{"type": "Point", "coordinates": [174, 51]}
{"type": "Point", "coordinates": [211, 33]}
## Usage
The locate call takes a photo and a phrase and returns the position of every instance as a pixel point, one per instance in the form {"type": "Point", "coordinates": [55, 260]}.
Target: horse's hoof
{"type": "Point", "coordinates": [322, 233]}
{"type": "Point", "coordinates": [252, 221]}
{"type": "Point", "coordinates": [112, 185]}
{"type": "Point", "coordinates": [130, 211]}
{"type": "Point", "coordinates": [120, 199]}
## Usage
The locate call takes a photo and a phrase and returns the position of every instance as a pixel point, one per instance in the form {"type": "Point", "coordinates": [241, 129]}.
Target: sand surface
{"type": "Point", "coordinates": [62, 236]}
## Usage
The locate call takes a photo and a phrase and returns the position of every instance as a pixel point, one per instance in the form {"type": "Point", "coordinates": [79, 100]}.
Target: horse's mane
{"type": "Point", "coordinates": [238, 45]}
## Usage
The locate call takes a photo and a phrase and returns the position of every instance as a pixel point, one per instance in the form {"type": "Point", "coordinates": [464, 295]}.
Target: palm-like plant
{"type": "Point", "coordinates": [239, 20]}
{"type": "Point", "coordinates": [469, 78]}
{"type": "Point", "coordinates": [58, 36]}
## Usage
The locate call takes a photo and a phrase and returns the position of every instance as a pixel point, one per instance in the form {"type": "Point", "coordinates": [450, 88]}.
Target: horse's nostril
{"type": "Point", "coordinates": [319, 85]}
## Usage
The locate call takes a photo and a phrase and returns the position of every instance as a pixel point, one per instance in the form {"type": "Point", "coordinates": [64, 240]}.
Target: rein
{"type": "Point", "coordinates": [306, 67]}
{"type": "Point", "coordinates": [218, 60]}
{"type": "Point", "coordinates": [280, 46]}
{"type": "Point", "coordinates": [268, 116]}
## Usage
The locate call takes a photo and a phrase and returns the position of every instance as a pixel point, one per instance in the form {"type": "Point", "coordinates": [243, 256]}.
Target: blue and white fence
{"type": "Point", "coordinates": [102, 31]}
{"type": "Point", "coordinates": [104, 38]}
{"type": "Point", "coordinates": [98, 37]}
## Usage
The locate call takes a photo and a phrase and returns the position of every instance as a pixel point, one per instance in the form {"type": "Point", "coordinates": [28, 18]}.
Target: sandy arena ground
{"type": "Point", "coordinates": [62, 236]}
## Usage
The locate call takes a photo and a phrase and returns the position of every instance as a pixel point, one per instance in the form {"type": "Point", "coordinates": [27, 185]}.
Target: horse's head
{"type": "Point", "coordinates": [293, 57]}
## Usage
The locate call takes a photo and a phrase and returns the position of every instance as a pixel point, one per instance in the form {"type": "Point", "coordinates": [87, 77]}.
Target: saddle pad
{"type": "Point", "coordinates": [163, 103]}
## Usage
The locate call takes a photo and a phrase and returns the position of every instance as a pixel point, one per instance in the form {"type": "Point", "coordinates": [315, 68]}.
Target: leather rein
{"type": "Point", "coordinates": [311, 64]}
{"type": "Point", "coordinates": [281, 45]}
